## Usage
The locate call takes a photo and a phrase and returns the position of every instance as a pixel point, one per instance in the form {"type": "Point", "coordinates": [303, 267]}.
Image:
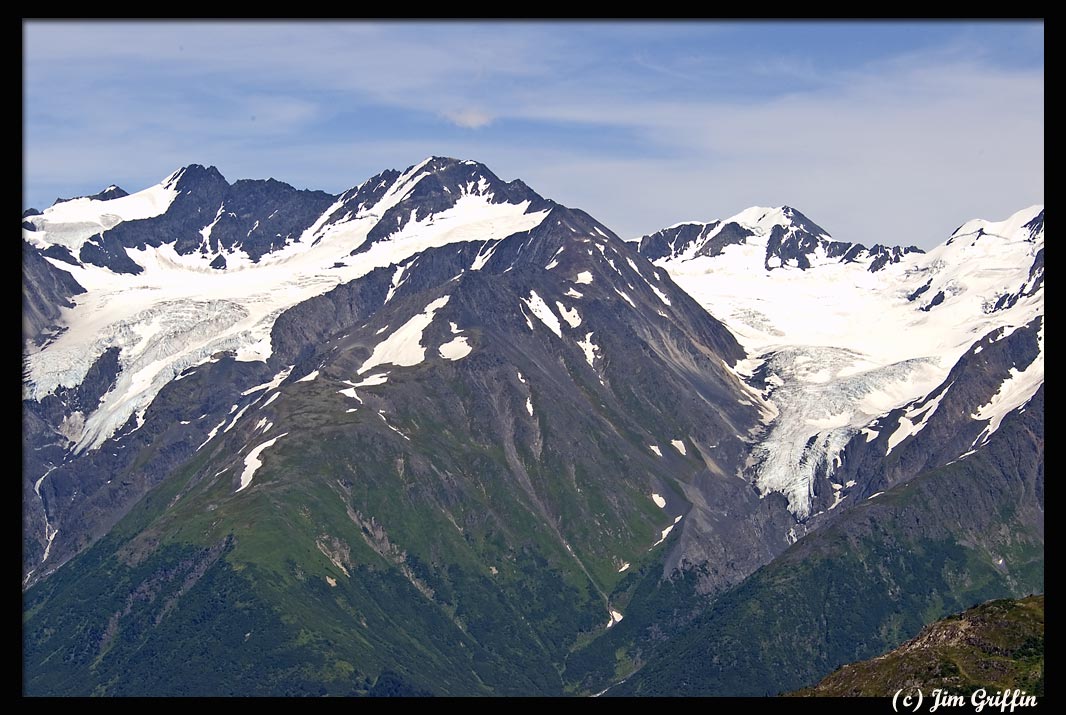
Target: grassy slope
{"type": "Point", "coordinates": [996, 646]}
{"type": "Point", "coordinates": [867, 583]}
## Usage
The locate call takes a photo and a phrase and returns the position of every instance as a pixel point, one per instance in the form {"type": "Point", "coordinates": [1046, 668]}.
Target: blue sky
{"type": "Point", "coordinates": [880, 132]}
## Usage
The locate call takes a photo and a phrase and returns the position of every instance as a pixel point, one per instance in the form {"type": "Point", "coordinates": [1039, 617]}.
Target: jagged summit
{"type": "Point", "coordinates": [784, 236]}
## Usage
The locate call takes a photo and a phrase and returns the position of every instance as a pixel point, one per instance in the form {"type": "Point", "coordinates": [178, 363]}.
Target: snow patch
{"type": "Point", "coordinates": [274, 382]}
{"type": "Point", "coordinates": [234, 422]}
{"type": "Point", "coordinates": [308, 377]}
{"type": "Point", "coordinates": [584, 277]}
{"type": "Point", "coordinates": [907, 425]}
{"type": "Point", "coordinates": [253, 463]}
{"type": "Point", "coordinates": [350, 392]}
{"type": "Point", "coordinates": [589, 348]}
{"type": "Point", "coordinates": [659, 501]}
{"type": "Point", "coordinates": [678, 445]}
{"type": "Point", "coordinates": [381, 414]}
{"type": "Point", "coordinates": [660, 294]}
{"type": "Point", "coordinates": [455, 349]}
{"type": "Point", "coordinates": [570, 316]}
{"type": "Point", "coordinates": [655, 448]}
{"type": "Point", "coordinates": [665, 533]}
{"type": "Point", "coordinates": [484, 255]}
{"type": "Point", "coordinates": [543, 312]}
{"type": "Point", "coordinates": [404, 347]}
{"type": "Point", "coordinates": [379, 378]}
{"type": "Point", "coordinates": [211, 434]}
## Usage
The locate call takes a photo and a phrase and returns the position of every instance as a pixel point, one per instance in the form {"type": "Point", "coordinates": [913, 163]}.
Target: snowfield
{"type": "Point", "coordinates": [844, 345]}
{"type": "Point", "coordinates": [179, 312]}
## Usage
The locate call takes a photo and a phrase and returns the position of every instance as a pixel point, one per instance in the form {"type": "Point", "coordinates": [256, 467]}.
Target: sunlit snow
{"type": "Point", "coordinates": [570, 316]}
{"type": "Point", "coordinates": [543, 313]}
{"type": "Point", "coordinates": [844, 345]}
{"type": "Point", "coordinates": [456, 348]}
{"type": "Point", "coordinates": [252, 462]}
{"type": "Point", "coordinates": [179, 312]}
{"type": "Point", "coordinates": [404, 347]}
{"type": "Point", "coordinates": [589, 348]}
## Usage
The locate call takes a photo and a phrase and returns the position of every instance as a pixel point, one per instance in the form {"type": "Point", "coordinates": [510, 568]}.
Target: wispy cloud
{"type": "Point", "coordinates": [470, 118]}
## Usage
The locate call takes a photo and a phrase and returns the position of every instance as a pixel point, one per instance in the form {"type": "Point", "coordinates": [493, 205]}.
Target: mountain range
{"type": "Point", "coordinates": [438, 434]}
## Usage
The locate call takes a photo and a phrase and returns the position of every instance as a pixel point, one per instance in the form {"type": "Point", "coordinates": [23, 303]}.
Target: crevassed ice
{"type": "Point", "coordinates": [854, 374]}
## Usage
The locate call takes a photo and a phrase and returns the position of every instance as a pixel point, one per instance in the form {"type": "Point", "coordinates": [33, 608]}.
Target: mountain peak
{"type": "Point", "coordinates": [192, 176]}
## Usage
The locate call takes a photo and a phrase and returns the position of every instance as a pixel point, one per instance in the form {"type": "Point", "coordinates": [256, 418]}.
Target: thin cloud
{"type": "Point", "coordinates": [469, 118]}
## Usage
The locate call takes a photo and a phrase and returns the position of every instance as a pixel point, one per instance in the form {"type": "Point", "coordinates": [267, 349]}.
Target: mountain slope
{"type": "Point", "coordinates": [177, 306]}
{"type": "Point", "coordinates": [853, 345]}
{"type": "Point", "coordinates": [485, 434]}
{"type": "Point", "coordinates": [996, 646]}
{"type": "Point", "coordinates": [954, 536]}
{"type": "Point", "coordinates": [438, 434]}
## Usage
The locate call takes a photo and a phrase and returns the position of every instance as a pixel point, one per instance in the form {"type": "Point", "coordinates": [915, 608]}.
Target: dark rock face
{"type": "Point", "coordinates": [1036, 225]}
{"type": "Point", "coordinates": [255, 216]}
{"type": "Point", "coordinates": [45, 289]}
{"type": "Point", "coordinates": [672, 241]}
{"type": "Point", "coordinates": [937, 300]}
{"type": "Point", "coordinates": [919, 291]}
{"type": "Point", "coordinates": [887, 255]}
{"type": "Point", "coordinates": [730, 234]}
{"type": "Point", "coordinates": [106, 250]}
{"type": "Point", "coordinates": [60, 253]}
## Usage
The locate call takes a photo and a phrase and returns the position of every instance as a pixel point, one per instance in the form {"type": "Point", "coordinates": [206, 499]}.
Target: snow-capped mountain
{"type": "Point", "coordinates": [171, 350]}
{"type": "Point", "coordinates": [440, 434]}
{"type": "Point", "coordinates": [174, 279]}
{"type": "Point", "coordinates": [841, 337]}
